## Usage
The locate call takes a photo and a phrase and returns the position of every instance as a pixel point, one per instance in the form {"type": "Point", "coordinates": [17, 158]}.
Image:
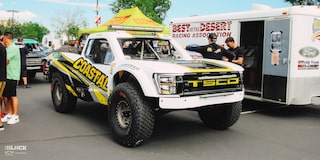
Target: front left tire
{"type": "Point", "coordinates": [130, 115]}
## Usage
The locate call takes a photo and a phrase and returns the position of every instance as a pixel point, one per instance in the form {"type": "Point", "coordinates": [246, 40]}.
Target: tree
{"type": "Point", "coordinates": [154, 9]}
{"type": "Point", "coordinates": [25, 30]}
{"type": "Point", "coordinates": [33, 30]}
{"type": "Point", "coordinates": [303, 2]}
{"type": "Point", "coordinates": [69, 23]}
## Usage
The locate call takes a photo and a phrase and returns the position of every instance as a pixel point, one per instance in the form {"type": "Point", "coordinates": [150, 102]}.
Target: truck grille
{"type": "Point", "coordinates": [208, 83]}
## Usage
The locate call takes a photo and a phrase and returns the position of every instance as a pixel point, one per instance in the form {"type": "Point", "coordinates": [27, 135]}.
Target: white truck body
{"type": "Point", "coordinates": [283, 44]}
{"type": "Point", "coordinates": [143, 71]}
{"type": "Point", "coordinates": [137, 73]}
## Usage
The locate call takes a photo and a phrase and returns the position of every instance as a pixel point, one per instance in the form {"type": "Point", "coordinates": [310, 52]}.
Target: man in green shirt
{"type": "Point", "coordinates": [13, 76]}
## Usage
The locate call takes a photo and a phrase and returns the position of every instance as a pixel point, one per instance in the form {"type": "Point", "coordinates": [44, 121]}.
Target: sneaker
{"type": "Point", "coordinates": [13, 120]}
{"type": "Point", "coordinates": [6, 118]}
{"type": "Point", "coordinates": [1, 128]}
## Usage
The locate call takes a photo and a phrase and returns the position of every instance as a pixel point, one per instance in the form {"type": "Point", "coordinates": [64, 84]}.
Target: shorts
{"type": "Point", "coordinates": [24, 72]}
{"type": "Point", "coordinates": [11, 88]}
{"type": "Point", "coordinates": [2, 86]}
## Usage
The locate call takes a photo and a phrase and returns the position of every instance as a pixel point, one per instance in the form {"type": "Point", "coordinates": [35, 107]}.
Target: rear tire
{"type": "Point", "coordinates": [63, 100]}
{"type": "Point", "coordinates": [130, 115]}
{"type": "Point", "coordinates": [221, 116]}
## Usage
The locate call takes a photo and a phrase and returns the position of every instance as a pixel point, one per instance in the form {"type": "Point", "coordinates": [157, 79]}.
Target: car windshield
{"type": "Point", "coordinates": [152, 49]}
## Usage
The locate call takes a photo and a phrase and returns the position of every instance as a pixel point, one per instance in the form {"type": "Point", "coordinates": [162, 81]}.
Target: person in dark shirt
{"type": "Point", "coordinates": [23, 53]}
{"type": "Point", "coordinates": [3, 74]}
{"type": "Point", "coordinates": [238, 51]}
{"type": "Point", "coordinates": [212, 50]}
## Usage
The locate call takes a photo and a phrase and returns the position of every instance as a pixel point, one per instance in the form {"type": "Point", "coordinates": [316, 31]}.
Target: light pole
{"type": "Point", "coordinates": [97, 10]}
{"type": "Point", "coordinates": [12, 11]}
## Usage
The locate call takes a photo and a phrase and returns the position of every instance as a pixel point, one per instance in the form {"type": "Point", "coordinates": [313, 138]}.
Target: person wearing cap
{"type": "Point", "coordinates": [238, 51]}
{"type": "Point", "coordinates": [212, 50]}
{"type": "Point", "coordinates": [23, 54]}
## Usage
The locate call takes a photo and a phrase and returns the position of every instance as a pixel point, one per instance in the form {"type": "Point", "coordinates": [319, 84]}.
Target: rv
{"type": "Point", "coordinates": [281, 45]}
{"type": "Point", "coordinates": [50, 39]}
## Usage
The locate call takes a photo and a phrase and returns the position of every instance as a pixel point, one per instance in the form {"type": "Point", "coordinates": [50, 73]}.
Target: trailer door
{"type": "Point", "coordinates": [275, 59]}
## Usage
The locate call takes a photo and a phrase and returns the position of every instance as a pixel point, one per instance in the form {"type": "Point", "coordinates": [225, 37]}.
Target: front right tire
{"type": "Point", "coordinates": [221, 116]}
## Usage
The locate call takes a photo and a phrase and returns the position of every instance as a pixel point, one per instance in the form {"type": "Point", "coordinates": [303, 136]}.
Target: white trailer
{"type": "Point", "coordinates": [282, 49]}
{"type": "Point", "coordinates": [49, 39]}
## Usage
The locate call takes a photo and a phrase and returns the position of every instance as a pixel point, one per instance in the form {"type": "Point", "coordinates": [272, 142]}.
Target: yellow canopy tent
{"type": "Point", "coordinates": [126, 17]}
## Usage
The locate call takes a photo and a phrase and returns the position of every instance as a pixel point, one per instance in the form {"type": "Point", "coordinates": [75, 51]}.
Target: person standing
{"type": "Point", "coordinates": [3, 74]}
{"type": "Point", "coordinates": [13, 76]}
{"type": "Point", "coordinates": [212, 50]}
{"type": "Point", "coordinates": [23, 55]}
{"type": "Point", "coordinates": [238, 51]}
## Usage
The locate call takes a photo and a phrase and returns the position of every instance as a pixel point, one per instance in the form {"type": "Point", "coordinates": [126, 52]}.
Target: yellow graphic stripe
{"type": "Point", "coordinates": [63, 68]}
{"type": "Point", "coordinates": [101, 98]}
{"type": "Point", "coordinates": [80, 77]}
{"type": "Point", "coordinates": [222, 69]}
{"type": "Point", "coordinates": [96, 90]}
{"type": "Point", "coordinates": [67, 58]}
{"type": "Point", "coordinates": [69, 88]}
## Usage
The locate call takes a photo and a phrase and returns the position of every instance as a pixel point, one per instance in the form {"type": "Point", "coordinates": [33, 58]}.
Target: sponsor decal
{"type": "Point", "coordinates": [308, 65]}
{"type": "Point", "coordinates": [92, 73]}
{"type": "Point", "coordinates": [145, 21]}
{"type": "Point", "coordinates": [201, 30]}
{"type": "Point", "coordinates": [309, 52]}
{"type": "Point", "coordinates": [117, 20]}
{"type": "Point", "coordinates": [214, 82]}
{"type": "Point", "coordinates": [316, 29]}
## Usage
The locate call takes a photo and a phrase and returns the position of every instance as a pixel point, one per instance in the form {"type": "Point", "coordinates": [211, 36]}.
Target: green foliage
{"type": "Point", "coordinates": [34, 31]}
{"type": "Point", "coordinates": [303, 2]}
{"type": "Point", "coordinates": [26, 30]}
{"type": "Point", "coordinates": [154, 9]}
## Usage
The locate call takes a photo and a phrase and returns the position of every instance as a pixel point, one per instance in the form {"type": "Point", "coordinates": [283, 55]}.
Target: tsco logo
{"type": "Point", "coordinates": [214, 82]}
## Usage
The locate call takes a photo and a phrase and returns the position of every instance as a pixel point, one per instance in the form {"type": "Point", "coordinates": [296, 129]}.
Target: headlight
{"type": "Point", "coordinates": [167, 83]}
{"type": "Point", "coordinates": [241, 77]}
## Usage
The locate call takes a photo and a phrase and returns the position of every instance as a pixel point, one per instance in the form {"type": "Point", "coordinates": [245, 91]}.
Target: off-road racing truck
{"type": "Point", "coordinates": [138, 73]}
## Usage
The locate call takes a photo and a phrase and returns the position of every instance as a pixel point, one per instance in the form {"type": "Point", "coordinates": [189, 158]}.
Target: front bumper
{"type": "Point", "coordinates": [200, 100]}
{"type": "Point", "coordinates": [38, 68]}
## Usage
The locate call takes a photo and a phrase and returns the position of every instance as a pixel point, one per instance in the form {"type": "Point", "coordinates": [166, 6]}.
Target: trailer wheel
{"type": "Point", "coordinates": [131, 118]}
{"type": "Point", "coordinates": [221, 116]}
{"type": "Point", "coordinates": [63, 101]}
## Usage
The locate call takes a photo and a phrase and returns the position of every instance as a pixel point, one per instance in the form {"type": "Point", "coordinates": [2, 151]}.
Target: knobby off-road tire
{"type": "Point", "coordinates": [221, 116]}
{"type": "Point", "coordinates": [130, 115]}
{"type": "Point", "coordinates": [63, 100]}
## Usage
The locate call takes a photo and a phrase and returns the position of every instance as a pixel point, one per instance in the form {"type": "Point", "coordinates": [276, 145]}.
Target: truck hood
{"type": "Point", "coordinates": [185, 66]}
{"type": "Point", "coordinates": [172, 66]}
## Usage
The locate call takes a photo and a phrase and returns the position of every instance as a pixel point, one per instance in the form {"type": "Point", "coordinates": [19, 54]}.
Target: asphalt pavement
{"type": "Point", "coordinates": [264, 131]}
